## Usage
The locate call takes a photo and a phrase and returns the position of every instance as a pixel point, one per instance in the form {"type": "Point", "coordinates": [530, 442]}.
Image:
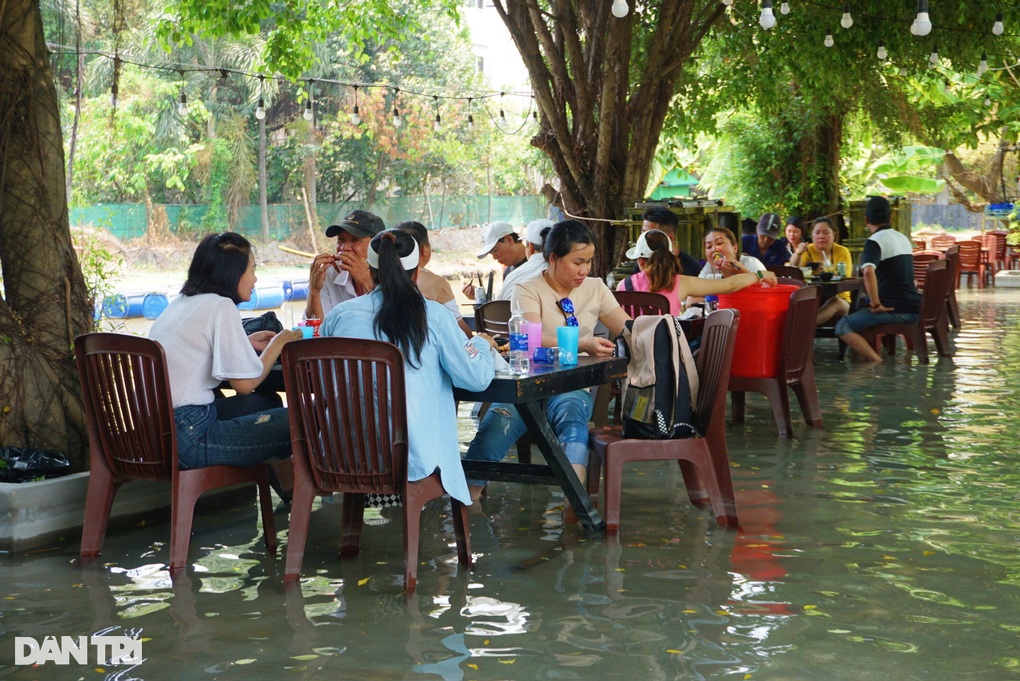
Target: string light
{"type": "Point", "coordinates": [471, 118]}
{"type": "Point", "coordinates": [882, 53]}
{"type": "Point", "coordinates": [846, 21]}
{"type": "Point", "coordinates": [768, 18]}
{"type": "Point", "coordinates": [933, 58]}
{"type": "Point", "coordinates": [784, 8]}
{"type": "Point", "coordinates": [988, 101]}
{"type": "Point", "coordinates": [439, 121]}
{"type": "Point", "coordinates": [260, 110]}
{"type": "Point", "coordinates": [355, 116]}
{"type": "Point", "coordinates": [620, 8]}
{"type": "Point", "coordinates": [997, 27]}
{"type": "Point", "coordinates": [728, 3]}
{"type": "Point", "coordinates": [309, 114]}
{"type": "Point", "coordinates": [922, 24]}
{"type": "Point", "coordinates": [397, 120]}
{"type": "Point", "coordinates": [982, 65]}
{"type": "Point", "coordinates": [502, 114]}
{"type": "Point", "coordinates": [182, 103]}
{"type": "Point", "coordinates": [829, 42]}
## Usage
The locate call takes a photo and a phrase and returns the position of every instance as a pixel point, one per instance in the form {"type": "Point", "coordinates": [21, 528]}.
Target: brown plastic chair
{"type": "Point", "coordinates": [932, 319]}
{"type": "Point", "coordinates": [786, 271]}
{"type": "Point", "coordinates": [637, 303]}
{"type": "Point", "coordinates": [952, 307]}
{"type": "Point", "coordinates": [921, 260]}
{"type": "Point", "coordinates": [493, 317]}
{"type": "Point", "coordinates": [970, 262]}
{"type": "Point", "coordinates": [129, 414]}
{"type": "Point", "coordinates": [703, 461]}
{"type": "Point", "coordinates": [994, 245]}
{"type": "Point", "coordinates": [348, 420]}
{"type": "Point", "coordinates": [796, 368]}
{"type": "Point", "coordinates": [942, 241]}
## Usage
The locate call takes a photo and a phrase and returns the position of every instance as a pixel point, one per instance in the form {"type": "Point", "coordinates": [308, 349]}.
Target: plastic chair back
{"type": "Point", "coordinates": [493, 317]}
{"type": "Point", "coordinates": [921, 261]}
{"type": "Point", "coordinates": [715, 358]}
{"type": "Point", "coordinates": [799, 336]}
{"type": "Point", "coordinates": [942, 241]}
{"type": "Point", "coordinates": [637, 303]}
{"type": "Point", "coordinates": [786, 271]}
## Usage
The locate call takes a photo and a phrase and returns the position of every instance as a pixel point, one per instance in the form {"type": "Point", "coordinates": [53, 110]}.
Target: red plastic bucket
{"type": "Point", "coordinates": [762, 322]}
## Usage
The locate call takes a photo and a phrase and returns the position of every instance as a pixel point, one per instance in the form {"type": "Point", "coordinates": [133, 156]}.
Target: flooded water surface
{"type": "Point", "coordinates": [884, 546]}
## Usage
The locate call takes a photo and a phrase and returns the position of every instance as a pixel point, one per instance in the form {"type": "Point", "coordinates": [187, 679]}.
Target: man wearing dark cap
{"type": "Point", "coordinates": [887, 266]}
{"type": "Point", "coordinates": [769, 247]}
{"type": "Point", "coordinates": [336, 277]}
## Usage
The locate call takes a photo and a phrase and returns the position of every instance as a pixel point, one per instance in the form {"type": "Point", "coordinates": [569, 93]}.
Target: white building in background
{"type": "Point", "coordinates": [496, 55]}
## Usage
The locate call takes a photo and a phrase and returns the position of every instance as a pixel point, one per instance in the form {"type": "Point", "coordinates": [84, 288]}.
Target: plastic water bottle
{"type": "Point", "coordinates": [711, 304]}
{"type": "Point", "coordinates": [519, 363]}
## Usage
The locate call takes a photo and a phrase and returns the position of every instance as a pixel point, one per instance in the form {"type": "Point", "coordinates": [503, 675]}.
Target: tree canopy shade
{"type": "Point", "coordinates": [603, 86]}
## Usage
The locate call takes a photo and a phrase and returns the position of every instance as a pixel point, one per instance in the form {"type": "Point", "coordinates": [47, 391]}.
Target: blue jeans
{"type": "Point", "coordinates": [865, 319]}
{"type": "Point", "coordinates": [568, 415]}
{"type": "Point", "coordinates": [203, 440]}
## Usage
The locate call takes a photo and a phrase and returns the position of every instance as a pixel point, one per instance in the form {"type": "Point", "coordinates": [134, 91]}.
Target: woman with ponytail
{"type": "Point", "coordinates": [436, 358]}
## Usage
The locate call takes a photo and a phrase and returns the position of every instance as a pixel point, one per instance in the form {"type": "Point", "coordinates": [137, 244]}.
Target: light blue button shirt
{"type": "Point", "coordinates": [447, 359]}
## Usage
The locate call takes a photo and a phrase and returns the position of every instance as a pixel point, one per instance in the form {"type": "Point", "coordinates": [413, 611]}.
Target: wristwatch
{"type": "Point", "coordinates": [760, 274]}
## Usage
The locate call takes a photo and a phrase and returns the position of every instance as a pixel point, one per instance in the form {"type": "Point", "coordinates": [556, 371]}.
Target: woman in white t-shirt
{"type": "Point", "coordinates": [205, 344]}
{"type": "Point", "coordinates": [562, 295]}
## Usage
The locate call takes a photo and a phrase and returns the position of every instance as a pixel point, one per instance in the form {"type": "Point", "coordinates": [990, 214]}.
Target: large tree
{"type": "Point", "coordinates": [603, 86]}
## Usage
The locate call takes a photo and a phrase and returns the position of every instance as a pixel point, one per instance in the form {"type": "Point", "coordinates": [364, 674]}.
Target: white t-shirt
{"type": "Point", "coordinates": [751, 263]}
{"type": "Point", "coordinates": [205, 344]}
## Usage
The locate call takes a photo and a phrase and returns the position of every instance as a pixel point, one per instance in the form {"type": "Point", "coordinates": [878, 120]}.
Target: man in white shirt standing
{"type": "Point", "coordinates": [535, 262]}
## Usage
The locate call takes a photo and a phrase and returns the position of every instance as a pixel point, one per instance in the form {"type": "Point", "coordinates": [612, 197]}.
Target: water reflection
{"type": "Point", "coordinates": [882, 546]}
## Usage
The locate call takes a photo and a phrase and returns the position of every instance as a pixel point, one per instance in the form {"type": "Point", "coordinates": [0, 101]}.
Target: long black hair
{"type": "Point", "coordinates": [401, 317]}
{"type": "Point", "coordinates": [219, 262]}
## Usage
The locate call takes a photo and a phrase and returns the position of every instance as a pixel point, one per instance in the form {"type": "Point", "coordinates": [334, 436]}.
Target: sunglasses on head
{"type": "Point", "coordinates": [567, 307]}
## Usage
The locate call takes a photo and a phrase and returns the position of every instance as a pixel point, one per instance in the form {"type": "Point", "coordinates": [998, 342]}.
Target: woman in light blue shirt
{"type": "Point", "coordinates": [436, 358]}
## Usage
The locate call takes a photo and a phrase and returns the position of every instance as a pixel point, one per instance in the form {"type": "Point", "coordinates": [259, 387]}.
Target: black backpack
{"type": "Point", "coordinates": [662, 380]}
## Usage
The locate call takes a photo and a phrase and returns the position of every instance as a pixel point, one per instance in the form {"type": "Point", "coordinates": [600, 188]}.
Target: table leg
{"type": "Point", "coordinates": [533, 416]}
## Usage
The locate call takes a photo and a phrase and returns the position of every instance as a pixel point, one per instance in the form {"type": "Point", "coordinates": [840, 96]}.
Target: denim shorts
{"type": "Point", "coordinates": [865, 319]}
{"type": "Point", "coordinates": [203, 440]}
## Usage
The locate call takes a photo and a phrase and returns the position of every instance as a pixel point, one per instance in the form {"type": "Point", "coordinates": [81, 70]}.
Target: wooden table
{"type": "Point", "coordinates": [834, 287]}
{"type": "Point", "coordinates": [543, 381]}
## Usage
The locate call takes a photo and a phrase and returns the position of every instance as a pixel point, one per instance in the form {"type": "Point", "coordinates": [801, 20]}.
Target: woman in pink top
{"type": "Point", "coordinates": [661, 272]}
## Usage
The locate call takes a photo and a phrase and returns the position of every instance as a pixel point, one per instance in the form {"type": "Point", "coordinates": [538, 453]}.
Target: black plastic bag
{"type": "Point", "coordinates": [18, 464]}
{"type": "Point", "coordinates": [265, 322]}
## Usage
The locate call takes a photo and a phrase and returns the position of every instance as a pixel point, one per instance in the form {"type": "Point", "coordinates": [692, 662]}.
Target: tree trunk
{"type": "Point", "coordinates": [601, 114]}
{"type": "Point", "coordinates": [45, 302]}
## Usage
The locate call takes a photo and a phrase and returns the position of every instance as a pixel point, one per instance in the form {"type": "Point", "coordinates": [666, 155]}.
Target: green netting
{"type": "Point", "coordinates": [129, 221]}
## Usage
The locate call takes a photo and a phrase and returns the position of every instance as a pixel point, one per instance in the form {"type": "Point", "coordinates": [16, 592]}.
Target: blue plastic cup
{"type": "Point", "coordinates": [566, 339]}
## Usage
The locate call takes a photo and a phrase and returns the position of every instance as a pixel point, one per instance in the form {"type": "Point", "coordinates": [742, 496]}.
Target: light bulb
{"type": "Point", "coordinates": [988, 102]}
{"type": "Point", "coordinates": [620, 8]}
{"type": "Point", "coordinates": [397, 120]}
{"type": "Point", "coordinates": [997, 27]}
{"type": "Point", "coordinates": [829, 42]}
{"type": "Point", "coordinates": [438, 124]}
{"type": "Point", "coordinates": [471, 122]}
{"type": "Point", "coordinates": [846, 21]}
{"type": "Point", "coordinates": [903, 71]}
{"type": "Point", "coordinates": [982, 65]}
{"type": "Point", "coordinates": [355, 116]}
{"type": "Point", "coordinates": [934, 56]}
{"type": "Point", "coordinates": [260, 110]}
{"type": "Point", "coordinates": [182, 105]}
{"type": "Point", "coordinates": [768, 18]}
{"type": "Point", "coordinates": [922, 24]}
{"type": "Point", "coordinates": [784, 8]}
{"type": "Point", "coordinates": [882, 53]}
{"type": "Point", "coordinates": [502, 116]}
{"type": "Point", "coordinates": [308, 115]}
{"type": "Point", "coordinates": [727, 2]}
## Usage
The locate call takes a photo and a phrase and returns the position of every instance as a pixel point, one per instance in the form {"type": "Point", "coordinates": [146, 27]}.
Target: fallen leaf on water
{"type": "Point", "coordinates": [363, 582]}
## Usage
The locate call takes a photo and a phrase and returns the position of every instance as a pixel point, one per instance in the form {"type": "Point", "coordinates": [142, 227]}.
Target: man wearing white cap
{"type": "Point", "coordinates": [505, 247]}
{"type": "Point", "coordinates": [536, 260]}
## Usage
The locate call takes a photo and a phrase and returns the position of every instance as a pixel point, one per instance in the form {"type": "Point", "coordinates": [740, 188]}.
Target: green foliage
{"type": "Point", "coordinates": [215, 168]}
{"type": "Point", "coordinates": [98, 265]}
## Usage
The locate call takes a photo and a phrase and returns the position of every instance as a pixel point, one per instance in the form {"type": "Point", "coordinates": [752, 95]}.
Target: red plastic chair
{"type": "Point", "coordinates": [703, 460]}
{"type": "Point", "coordinates": [971, 263]}
{"type": "Point", "coordinates": [796, 368]}
{"type": "Point", "coordinates": [921, 260]}
{"type": "Point", "coordinates": [348, 420]}
{"type": "Point", "coordinates": [942, 241]}
{"type": "Point", "coordinates": [637, 303]}
{"type": "Point", "coordinates": [952, 306]}
{"type": "Point", "coordinates": [932, 319]}
{"type": "Point", "coordinates": [129, 414]}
